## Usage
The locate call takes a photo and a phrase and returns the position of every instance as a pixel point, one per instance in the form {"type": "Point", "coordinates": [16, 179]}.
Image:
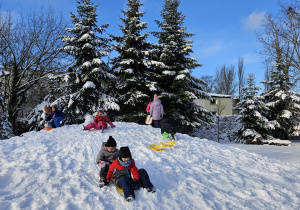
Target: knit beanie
{"type": "Point", "coordinates": [47, 109]}
{"type": "Point", "coordinates": [101, 111]}
{"type": "Point", "coordinates": [124, 152]}
{"type": "Point", "coordinates": [111, 142]}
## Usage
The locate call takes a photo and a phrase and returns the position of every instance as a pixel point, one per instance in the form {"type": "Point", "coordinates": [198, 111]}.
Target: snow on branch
{"type": "Point", "coordinates": [89, 84]}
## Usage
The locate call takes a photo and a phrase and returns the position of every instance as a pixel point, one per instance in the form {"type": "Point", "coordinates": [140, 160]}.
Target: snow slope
{"type": "Point", "coordinates": [57, 170]}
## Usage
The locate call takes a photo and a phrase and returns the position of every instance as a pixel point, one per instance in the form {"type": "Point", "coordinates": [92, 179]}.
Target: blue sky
{"type": "Point", "coordinates": [224, 29]}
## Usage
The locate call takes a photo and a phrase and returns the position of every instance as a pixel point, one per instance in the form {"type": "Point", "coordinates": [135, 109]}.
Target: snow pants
{"type": "Point", "coordinates": [103, 171]}
{"type": "Point", "coordinates": [127, 184]}
{"type": "Point", "coordinates": [56, 122]}
{"type": "Point", "coordinates": [156, 123]}
{"type": "Point", "coordinates": [97, 126]}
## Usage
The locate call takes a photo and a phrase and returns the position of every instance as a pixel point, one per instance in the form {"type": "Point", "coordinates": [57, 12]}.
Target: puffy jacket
{"type": "Point", "coordinates": [54, 114]}
{"type": "Point", "coordinates": [118, 170]}
{"type": "Point", "coordinates": [102, 118]}
{"type": "Point", "coordinates": [148, 107]}
{"type": "Point", "coordinates": [105, 155]}
{"type": "Point", "coordinates": [156, 110]}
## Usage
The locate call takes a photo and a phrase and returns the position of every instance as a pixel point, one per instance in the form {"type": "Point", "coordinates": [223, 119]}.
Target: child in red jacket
{"type": "Point", "coordinates": [100, 122]}
{"type": "Point", "coordinates": [127, 176]}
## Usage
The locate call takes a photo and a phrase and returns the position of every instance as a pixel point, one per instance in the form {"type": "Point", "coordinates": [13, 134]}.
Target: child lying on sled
{"type": "Point", "coordinates": [127, 176]}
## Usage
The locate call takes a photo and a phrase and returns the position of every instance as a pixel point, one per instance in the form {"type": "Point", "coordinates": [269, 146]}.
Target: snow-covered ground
{"type": "Point", "coordinates": [57, 170]}
{"type": "Point", "coordinates": [289, 153]}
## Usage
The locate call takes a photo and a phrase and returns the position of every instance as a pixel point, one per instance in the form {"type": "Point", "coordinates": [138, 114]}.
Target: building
{"type": "Point", "coordinates": [219, 104]}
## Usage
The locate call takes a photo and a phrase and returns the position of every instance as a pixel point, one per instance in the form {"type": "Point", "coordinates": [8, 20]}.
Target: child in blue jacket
{"type": "Point", "coordinates": [54, 116]}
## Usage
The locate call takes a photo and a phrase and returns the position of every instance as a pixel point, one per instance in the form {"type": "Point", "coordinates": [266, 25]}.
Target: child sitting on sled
{"type": "Point", "coordinates": [100, 122]}
{"type": "Point", "coordinates": [127, 176]}
{"type": "Point", "coordinates": [107, 154]}
{"type": "Point", "coordinates": [168, 129]}
{"type": "Point", "coordinates": [54, 117]}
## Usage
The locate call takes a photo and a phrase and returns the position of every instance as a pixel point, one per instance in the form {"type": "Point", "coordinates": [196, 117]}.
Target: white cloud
{"type": "Point", "coordinates": [251, 58]}
{"type": "Point", "coordinates": [212, 47]}
{"type": "Point", "coordinates": [253, 21]}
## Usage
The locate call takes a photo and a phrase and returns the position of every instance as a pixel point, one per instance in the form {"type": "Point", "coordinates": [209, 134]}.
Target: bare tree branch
{"type": "Point", "coordinates": [29, 50]}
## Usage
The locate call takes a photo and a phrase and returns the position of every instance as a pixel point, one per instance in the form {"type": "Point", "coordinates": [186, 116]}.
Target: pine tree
{"type": "Point", "coordinates": [5, 125]}
{"type": "Point", "coordinates": [132, 65]}
{"type": "Point", "coordinates": [255, 125]}
{"type": "Point", "coordinates": [283, 104]}
{"type": "Point", "coordinates": [89, 79]}
{"type": "Point", "coordinates": [177, 87]}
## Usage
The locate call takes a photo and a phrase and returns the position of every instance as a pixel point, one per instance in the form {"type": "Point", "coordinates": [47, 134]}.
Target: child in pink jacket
{"type": "Point", "coordinates": [148, 107]}
{"type": "Point", "coordinates": [100, 122]}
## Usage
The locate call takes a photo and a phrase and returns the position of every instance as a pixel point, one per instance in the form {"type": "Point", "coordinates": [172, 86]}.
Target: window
{"type": "Point", "coordinates": [213, 101]}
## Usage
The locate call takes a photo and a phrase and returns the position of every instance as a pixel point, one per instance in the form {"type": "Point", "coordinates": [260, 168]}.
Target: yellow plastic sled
{"type": "Point", "coordinates": [162, 145]}
{"type": "Point", "coordinates": [119, 189]}
{"type": "Point", "coordinates": [156, 147]}
{"type": "Point", "coordinates": [167, 144]}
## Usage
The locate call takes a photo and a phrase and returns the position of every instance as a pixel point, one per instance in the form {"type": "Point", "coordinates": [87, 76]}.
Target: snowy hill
{"type": "Point", "coordinates": [57, 170]}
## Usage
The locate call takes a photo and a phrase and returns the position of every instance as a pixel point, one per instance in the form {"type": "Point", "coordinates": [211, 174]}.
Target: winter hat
{"type": "Point", "coordinates": [124, 152]}
{"type": "Point", "coordinates": [101, 107]}
{"type": "Point", "coordinates": [47, 109]}
{"type": "Point", "coordinates": [101, 111]}
{"type": "Point", "coordinates": [111, 142]}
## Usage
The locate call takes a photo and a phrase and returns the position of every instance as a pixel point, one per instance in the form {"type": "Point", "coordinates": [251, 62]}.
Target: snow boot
{"type": "Point", "coordinates": [101, 129]}
{"type": "Point", "coordinates": [84, 128]}
{"type": "Point", "coordinates": [151, 189]}
{"type": "Point", "coordinates": [102, 182]}
{"type": "Point", "coordinates": [170, 137]}
{"type": "Point", "coordinates": [130, 198]}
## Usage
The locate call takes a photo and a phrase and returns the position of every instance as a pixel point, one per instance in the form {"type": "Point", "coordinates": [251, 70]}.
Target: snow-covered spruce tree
{"type": "Point", "coordinates": [5, 125]}
{"type": "Point", "coordinates": [255, 125]}
{"type": "Point", "coordinates": [177, 88]}
{"type": "Point", "coordinates": [132, 65]}
{"type": "Point", "coordinates": [89, 79]}
{"type": "Point", "coordinates": [283, 104]}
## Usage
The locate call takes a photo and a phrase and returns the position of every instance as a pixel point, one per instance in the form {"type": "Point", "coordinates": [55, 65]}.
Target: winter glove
{"type": "Point", "coordinates": [102, 164]}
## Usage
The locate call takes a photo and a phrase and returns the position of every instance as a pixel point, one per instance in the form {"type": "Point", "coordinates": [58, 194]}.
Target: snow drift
{"type": "Point", "coordinates": [57, 170]}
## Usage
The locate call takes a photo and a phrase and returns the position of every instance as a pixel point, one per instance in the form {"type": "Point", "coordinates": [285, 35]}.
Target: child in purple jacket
{"type": "Point", "coordinates": [156, 111]}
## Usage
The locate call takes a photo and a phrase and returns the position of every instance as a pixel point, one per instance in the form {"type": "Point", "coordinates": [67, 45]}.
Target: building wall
{"type": "Point", "coordinates": [224, 102]}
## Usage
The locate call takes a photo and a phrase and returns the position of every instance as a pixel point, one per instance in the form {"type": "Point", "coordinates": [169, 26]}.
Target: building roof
{"type": "Point", "coordinates": [220, 95]}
